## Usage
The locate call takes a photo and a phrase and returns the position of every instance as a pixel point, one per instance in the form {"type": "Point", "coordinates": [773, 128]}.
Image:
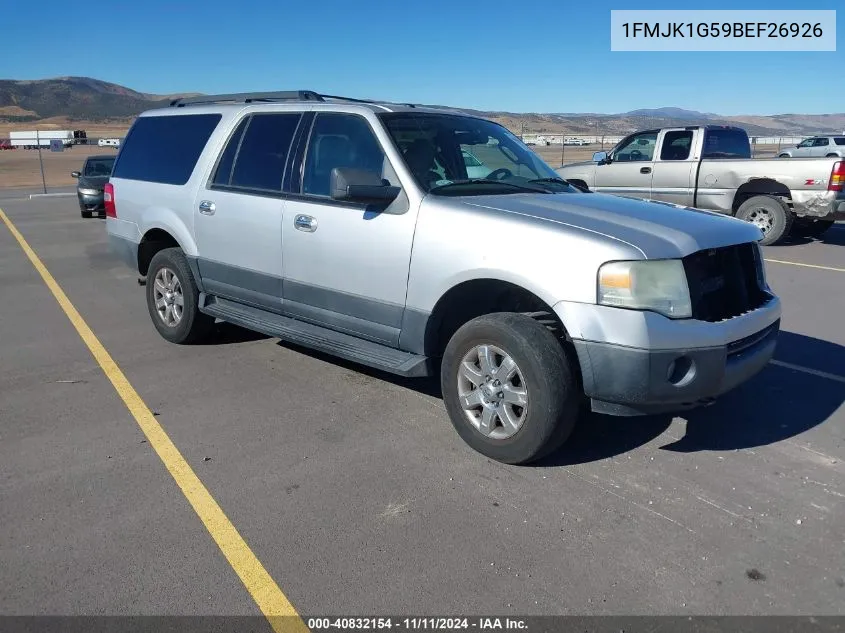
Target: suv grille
{"type": "Point", "coordinates": [725, 282]}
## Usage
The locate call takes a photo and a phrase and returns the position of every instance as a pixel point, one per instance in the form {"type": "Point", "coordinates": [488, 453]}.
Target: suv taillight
{"type": "Point", "coordinates": [837, 176]}
{"type": "Point", "coordinates": [108, 200]}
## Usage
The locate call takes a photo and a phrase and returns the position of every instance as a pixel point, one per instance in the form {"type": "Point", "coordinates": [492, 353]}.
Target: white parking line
{"type": "Point", "coordinates": [780, 261]}
{"type": "Point", "coordinates": [808, 370]}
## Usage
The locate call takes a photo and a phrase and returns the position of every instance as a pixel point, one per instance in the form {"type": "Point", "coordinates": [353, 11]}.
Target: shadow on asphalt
{"type": "Point", "coordinates": [835, 235]}
{"type": "Point", "coordinates": [777, 404]}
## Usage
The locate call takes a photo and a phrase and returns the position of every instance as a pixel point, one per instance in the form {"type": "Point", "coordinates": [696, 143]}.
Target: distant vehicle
{"type": "Point", "coordinates": [31, 139]}
{"type": "Point", "coordinates": [475, 168]}
{"type": "Point", "coordinates": [80, 137]}
{"type": "Point", "coordinates": [576, 141]}
{"type": "Point", "coordinates": [827, 146]}
{"type": "Point", "coordinates": [109, 142]}
{"type": "Point", "coordinates": [531, 300]}
{"type": "Point", "coordinates": [5, 144]}
{"type": "Point", "coordinates": [91, 182]}
{"type": "Point", "coordinates": [711, 167]}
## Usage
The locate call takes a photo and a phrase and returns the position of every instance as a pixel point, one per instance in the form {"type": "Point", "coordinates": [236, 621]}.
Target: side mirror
{"type": "Point", "coordinates": [349, 184]}
{"type": "Point", "coordinates": [75, 174]}
{"type": "Point", "coordinates": [600, 158]}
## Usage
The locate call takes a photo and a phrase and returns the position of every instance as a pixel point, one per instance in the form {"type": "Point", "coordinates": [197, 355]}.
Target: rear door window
{"type": "Point", "coordinates": [726, 143]}
{"type": "Point", "coordinates": [164, 149]}
{"type": "Point", "coordinates": [821, 142]}
{"type": "Point", "coordinates": [263, 151]}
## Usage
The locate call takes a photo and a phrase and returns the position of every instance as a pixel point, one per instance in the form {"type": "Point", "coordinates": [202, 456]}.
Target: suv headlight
{"type": "Point", "coordinates": [659, 285]}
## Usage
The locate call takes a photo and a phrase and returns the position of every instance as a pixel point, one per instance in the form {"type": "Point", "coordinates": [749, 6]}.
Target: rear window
{"type": "Point", "coordinates": [164, 149]}
{"type": "Point", "coordinates": [839, 140]}
{"type": "Point", "coordinates": [726, 144]}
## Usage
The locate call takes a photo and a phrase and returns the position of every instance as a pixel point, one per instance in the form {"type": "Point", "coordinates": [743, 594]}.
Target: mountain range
{"type": "Point", "coordinates": [91, 100]}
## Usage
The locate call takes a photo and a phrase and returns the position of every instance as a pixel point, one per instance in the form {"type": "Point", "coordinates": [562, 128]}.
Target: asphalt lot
{"type": "Point", "coordinates": [355, 493]}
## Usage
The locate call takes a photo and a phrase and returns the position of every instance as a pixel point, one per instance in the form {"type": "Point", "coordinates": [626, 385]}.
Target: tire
{"type": "Point", "coordinates": [784, 156]}
{"type": "Point", "coordinates": [188, 325]}
{"type": "Point", "coordinates": [543, 373]}
{"type": "Point", "coordinates": [832, 156]}
{"type": "Point", "coordinates": [811, 228]}
{"type": "Point", "coordinates": [768, 213]}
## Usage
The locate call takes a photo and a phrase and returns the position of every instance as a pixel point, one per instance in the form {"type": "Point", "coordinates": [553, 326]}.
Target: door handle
{"type": "Point", "coordinates": [207, 207]}
{"type": "Point", "coordinates": [645, 170]}
{"type": "Point", "coordinates": [305, 223]}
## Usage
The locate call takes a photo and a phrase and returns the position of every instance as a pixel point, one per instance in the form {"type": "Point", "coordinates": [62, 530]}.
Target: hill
{"type": "Point", "coordinates": [78, 99]}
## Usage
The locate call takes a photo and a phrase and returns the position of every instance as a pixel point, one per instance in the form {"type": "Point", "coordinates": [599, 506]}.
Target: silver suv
{"type": "Point", "coordinates": [353, 228]}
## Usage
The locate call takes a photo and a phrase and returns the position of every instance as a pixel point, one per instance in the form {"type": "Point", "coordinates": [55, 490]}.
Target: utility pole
{"type": "Point", "coordinates": [40, 161]}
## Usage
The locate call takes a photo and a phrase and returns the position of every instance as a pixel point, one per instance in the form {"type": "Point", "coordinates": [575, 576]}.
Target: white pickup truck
{"type": "Point", "coordinates": [710, 167]}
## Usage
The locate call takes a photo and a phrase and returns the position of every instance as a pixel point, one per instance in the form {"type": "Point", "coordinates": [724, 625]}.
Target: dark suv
{"type": "Point", "coordinates": [91, 180]}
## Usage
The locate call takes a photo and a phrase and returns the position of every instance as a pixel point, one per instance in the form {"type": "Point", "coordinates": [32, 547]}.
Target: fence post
{"type": "Point", "coordinates": [40, 161]}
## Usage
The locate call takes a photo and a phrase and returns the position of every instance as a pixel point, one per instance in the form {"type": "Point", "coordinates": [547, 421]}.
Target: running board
{"type": "Point", "coordinates": [318, 338]}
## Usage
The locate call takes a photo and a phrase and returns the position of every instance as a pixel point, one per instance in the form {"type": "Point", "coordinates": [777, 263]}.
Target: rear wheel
{"type": "Point", "coordinates": [770, 215]}
{"type": "Point", "coordinates": [173, 298]}
{"type": "Point", "coordinates": [509, 387]}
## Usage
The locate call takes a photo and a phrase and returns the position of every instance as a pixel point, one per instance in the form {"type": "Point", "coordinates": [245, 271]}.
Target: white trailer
{"type": "Point", "coordinates": [31, 139]}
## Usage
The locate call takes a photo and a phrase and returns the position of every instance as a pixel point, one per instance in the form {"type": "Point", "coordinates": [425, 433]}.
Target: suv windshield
{"type": "Point", "coordinates": [461, 155]}
{"type": "Point", "coordinates": [95, 167]}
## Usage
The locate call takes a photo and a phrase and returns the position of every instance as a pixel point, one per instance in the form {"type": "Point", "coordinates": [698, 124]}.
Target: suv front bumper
{"type": "Point", "coordinates": [625, 377]}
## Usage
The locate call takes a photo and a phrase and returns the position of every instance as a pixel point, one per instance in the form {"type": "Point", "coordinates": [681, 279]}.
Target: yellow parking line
{"type": "Point", "coordinates": [779, 261]}
{"type": "Point", "coordinates": [280, 613]}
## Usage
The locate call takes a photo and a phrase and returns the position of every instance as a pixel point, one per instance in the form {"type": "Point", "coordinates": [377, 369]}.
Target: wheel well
{"type": "Point", "coordinates": [153, 241]}
{"type": "Point", "coordinates": [758, 187]}
{"type": "Point", "coordinates": [475, 298]}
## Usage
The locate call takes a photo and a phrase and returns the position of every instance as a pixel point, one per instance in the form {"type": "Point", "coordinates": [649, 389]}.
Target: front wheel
{"type": "Point", "coordinates": [173, 298]}
{"type": "Point", "coordinates": [509, 387]}
{"type": "Point", "coordinates": [770, 215]}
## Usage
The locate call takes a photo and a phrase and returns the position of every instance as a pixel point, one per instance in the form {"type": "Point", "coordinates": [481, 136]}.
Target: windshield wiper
{"type": "Point", "coordinates": [560, 180]}
{"type": "Point", "coordinates": [488, 181]}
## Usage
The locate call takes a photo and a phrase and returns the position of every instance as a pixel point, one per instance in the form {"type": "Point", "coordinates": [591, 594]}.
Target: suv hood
{"type": "Point", "coordinates": [658, 229]}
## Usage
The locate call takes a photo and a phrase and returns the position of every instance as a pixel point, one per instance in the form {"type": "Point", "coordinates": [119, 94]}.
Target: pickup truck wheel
{"type": "Point", "coordinates": [509, 388]}
{"type": "Point", "coordinates": [173, 298]}
{"type": "Point", "coordinates": [770, 215]}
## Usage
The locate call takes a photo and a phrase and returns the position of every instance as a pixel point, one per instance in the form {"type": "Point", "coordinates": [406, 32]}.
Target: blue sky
{"type": "Point", "coordinates": [541, 56]}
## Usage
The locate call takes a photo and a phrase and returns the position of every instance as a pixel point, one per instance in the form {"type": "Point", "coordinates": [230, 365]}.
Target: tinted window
{"type": "Point", "coordinates": [820, 142]}
{"type": "Point", "coordinates": [726, 144]}
{"type": "Point", "coordinates": [223, 174]}
{"type": "Point", "coordinates": [164, 149]}
{"type": "Point", "coordinates": [839, 140]}
{"type": "Point", "coordinates": [341, 140]}
{"type": "Point", "coordinates": [264, 149]}
{"type": "Point", "coordinates": [806, 143]}
{"type": "Point", "coordinates": [676, 145]}
{"type": "Point", "coordinates": [639, 147]}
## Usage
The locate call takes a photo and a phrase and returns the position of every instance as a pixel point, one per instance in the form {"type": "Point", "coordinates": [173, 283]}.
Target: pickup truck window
{"type": "Point", "coordinates": [676, 145]}
{"type": "Point", "coordinates": [639, 147]}
{"type": "Point", "coordinates": [726, 143]}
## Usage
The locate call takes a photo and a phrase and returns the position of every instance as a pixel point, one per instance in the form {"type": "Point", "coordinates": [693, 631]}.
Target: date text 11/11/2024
{"type": "Point", "coordinates": [415, 623]}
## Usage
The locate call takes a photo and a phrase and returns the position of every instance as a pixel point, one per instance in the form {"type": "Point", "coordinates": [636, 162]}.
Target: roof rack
{"type": "Point", "coordinates": [253, 97]}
